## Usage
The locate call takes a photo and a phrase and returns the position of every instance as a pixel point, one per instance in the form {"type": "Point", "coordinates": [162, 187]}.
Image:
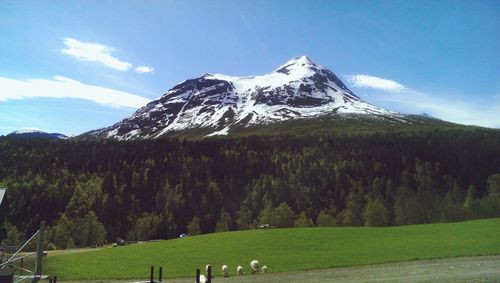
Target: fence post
{"type": "Point", "coordinates": [151, 274]}
{"type": "Point", "coordinates": [209, 274]}
{"type": "Point", "coordinates": [197, 275]}
{"type": "Point", "coordinates": [160, 274]}
{"type": "Point", "coordinates": [39, 254]}
{"type": "Point", "coordinates": [22, 265]}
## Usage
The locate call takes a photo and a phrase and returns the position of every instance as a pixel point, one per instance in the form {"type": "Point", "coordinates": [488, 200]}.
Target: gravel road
{"type": "Point", "coordinates": [463, 269]}
{"type": "Point", "coordinates": [460, 269]}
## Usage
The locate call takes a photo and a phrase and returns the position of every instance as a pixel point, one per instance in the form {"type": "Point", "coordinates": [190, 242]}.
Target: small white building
{"type": "Point", "coordinates": [2, 193]}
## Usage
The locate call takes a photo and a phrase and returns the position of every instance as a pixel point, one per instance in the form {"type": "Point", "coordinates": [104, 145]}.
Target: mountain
{"type": "Point", "coordinates": [36, 134]}
{"type": "Point", "coordinates": [218, 104]}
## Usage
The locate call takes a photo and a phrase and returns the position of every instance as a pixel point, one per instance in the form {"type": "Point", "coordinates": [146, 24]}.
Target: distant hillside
{"type": "Point", "coordinates": [35, 134]}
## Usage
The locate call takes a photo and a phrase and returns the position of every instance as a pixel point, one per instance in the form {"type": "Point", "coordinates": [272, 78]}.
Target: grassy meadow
{"type": "Point", "coordinates": [281, 250]}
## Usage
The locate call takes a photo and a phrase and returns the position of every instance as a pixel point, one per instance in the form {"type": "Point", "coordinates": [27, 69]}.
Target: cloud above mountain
{"type": "Point", "coordinates": [94, 52]}
{"type": "Point", "coordinates": [62, 87]}
{"type": "Point", "coordinates": [100, 53]}
{"type": "Point", "coordinates": [394, 95]}
{"type": "Point", "coordinates": [144, 69]}
{"type": "Point", "coordinates": [367, 81]}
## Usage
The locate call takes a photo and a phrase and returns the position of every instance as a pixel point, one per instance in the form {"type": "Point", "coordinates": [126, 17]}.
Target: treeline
{"type": "Point", "coordinates": [91, 192]}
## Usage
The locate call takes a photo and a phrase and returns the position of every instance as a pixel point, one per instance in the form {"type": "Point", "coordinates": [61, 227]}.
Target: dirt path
{"type": "Point", "coordinates": [462, 269]}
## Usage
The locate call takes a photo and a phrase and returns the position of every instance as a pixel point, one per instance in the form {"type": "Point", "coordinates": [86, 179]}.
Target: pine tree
{"type": "Point", "coordinates": [405, 207]}
{"type": "Point", "coordinates": [194, 226]}
{"type": "Point", "coordinates": [224, 223]}
{"type": "Point", "coordinates": [303, 221]}
{"type": "Point", "coordinates": [243, 221]}
{"type": "Point", "coordinates": [267, 216]}
{"type": "Point", "coordinates": [351, 215]}
{"type": "Point", "coordinates": [325, 219]}
{"type": "Point", "coordinates": [284, 216]}
{"type": "Point", "coordinates": [469, 203]}
{"type": "Point", "coordinates": [375, 213]}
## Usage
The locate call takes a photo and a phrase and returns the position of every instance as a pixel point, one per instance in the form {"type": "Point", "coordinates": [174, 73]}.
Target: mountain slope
{"type": "Point", "coordinates": [219, 103]}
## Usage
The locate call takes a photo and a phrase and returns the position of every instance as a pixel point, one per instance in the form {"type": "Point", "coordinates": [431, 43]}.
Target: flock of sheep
{"type": "Point", "coordinates": [254, 268]}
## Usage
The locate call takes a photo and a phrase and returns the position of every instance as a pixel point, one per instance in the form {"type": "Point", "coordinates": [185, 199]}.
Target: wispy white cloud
{"type": "Point", "coordinates": [451, 109]}
{"type": "Point", "coordinates": [94, 52]}
{"type": "Point", "coordinates": [367, 81]}
{"type": "Point", "coordinates": [144, 69]}
{"type": "Point", "coordinates": [395, 96]}
{"type": "Point", "coordinates": [62, 87]}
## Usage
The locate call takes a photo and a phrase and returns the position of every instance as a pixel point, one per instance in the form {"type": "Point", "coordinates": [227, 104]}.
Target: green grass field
{"type": "Point", "coordinates": [282, 250]}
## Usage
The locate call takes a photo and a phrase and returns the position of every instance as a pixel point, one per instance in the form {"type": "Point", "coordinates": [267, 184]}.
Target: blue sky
{"type": "Point", "coordinates": [74, 66]}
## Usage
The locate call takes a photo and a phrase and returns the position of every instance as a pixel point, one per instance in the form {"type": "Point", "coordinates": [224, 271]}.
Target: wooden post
{"type": "Point", "coordinates": [55, 279]}
{"type": "Point", "coordinates": [151, 275]}
{"type": "Point", "coordinates": [197, 275]}
{"type": "Point", "coordinates": [160, 274]}
{"type": "Point", "coordinates": [39, 254]}
{"type": "Point", "coordinates": [209, 274]}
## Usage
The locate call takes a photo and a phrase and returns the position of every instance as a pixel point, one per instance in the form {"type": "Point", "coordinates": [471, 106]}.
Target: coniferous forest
{"type": "Point", "coordinates": [91, 192]}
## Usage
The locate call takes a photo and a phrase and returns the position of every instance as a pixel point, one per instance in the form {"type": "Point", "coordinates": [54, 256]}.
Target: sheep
{"type": "Point", "coordinates": [264, 269]}
{"type": "Point", "coordinates": [239, 270]}
{"type": "Point", "coordinates": [225, 270]}
{"type": "Point", "coordinates": [254, 266]}
{"type": "Point", "coordinates": [203, 279]}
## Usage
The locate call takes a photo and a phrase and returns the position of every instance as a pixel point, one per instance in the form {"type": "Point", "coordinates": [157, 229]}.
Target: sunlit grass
{"type": "Point", "coordinates": [282, 250]}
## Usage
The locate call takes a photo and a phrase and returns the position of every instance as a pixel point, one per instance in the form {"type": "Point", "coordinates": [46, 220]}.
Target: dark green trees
{"type": "Point", "coordinates": [376, 213]}
{"type": "Point", "coordinates": [90, 192]}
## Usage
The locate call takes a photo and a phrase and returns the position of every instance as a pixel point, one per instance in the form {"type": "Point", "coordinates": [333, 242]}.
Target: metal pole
{"type": "Point", "coordinates": [160, 274]}
{"type": "Point", "coordinates": [151, 275]}
{"type": "Point", "coordinates": [39, 254]}
{"type": "Point", "coordinates": [209, 274]}
{"type": "Point", "coordinates": [197, 275]}
{"type": "Point", "coordinates": [22, 265]}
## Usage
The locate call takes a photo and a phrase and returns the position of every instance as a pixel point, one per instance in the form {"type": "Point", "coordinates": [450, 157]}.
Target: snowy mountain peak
{"type": "Point", "coordinates": [297, 62]}
{"type": "Point", "coordinates": [300, 61]}
{"type": "Point", "coordinates": [299, 66]}
{"type": "Point", "coordinates": [298, 89]}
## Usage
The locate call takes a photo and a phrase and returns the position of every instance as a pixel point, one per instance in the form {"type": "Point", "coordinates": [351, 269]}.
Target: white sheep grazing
{"type": "Point", "coordinates": [225, 270]}
{"type": "Point", "coordinates": [203, 279]}
{"type": "Point", "coordinates": [239, 270]}
{"type": "Point", "coordinates": [254, 266]}
{"type": "Point", "coordinates": [264, 269]}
